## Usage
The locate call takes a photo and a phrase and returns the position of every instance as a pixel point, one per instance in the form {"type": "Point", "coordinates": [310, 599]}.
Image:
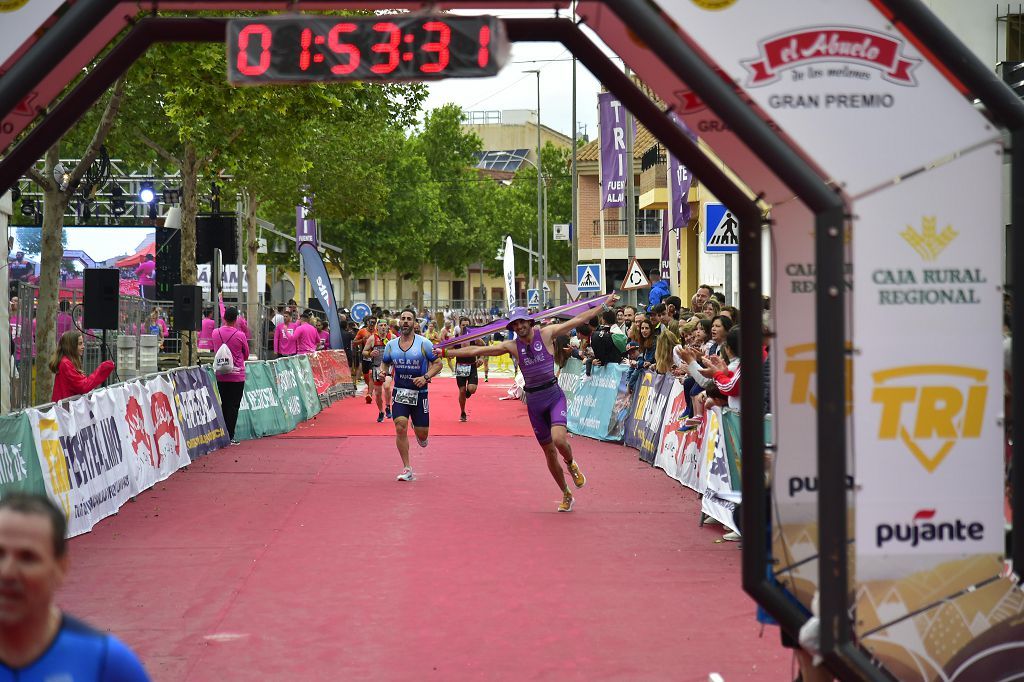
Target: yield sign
{"type": "Point", "coordinates": [635, 277]}
{"type": "Point", "coordinates": [574, 291]}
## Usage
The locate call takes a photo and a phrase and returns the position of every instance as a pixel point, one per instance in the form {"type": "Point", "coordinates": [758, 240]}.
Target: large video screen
{"type": "Point", "coordinates": [124, 248]}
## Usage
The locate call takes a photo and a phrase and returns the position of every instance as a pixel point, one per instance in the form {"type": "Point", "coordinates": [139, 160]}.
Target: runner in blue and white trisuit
{"type": "Point", "coordinates": [415, 364]}
{"type": "Point", "coordinates": [545, 401]}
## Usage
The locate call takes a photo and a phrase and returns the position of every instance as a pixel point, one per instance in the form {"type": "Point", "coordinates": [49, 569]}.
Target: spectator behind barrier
{"type": "Point", "coordinates": [68, 378]}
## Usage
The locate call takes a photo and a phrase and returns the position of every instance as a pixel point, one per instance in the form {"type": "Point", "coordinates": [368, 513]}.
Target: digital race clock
{"type": "Point", "coordinates": [395, 47]}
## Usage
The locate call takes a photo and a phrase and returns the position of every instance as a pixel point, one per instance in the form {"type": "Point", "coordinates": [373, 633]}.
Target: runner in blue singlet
{"type": "Point", "coordinates": [412, 357]}
{"type": "Point", "coordinates": [545, 401]}
{"type": "Point", "coordinates": [37, 642]}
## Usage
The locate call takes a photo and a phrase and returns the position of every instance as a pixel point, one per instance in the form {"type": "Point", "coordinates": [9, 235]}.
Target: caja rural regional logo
{"type": "Point", "coordinates": [929, 408]}
{"type": "Point", "coordinates": [831, 44]}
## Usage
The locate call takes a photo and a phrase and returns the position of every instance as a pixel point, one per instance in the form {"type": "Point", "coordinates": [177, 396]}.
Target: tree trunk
{"type": "Point", "coordinates": [189, 209]}
{"type": "Point", "coordinates": [420, 281]}
{"type": "Point", "coordinates": [252, 309]}
{"type": "Point", "coordinates": [54, 203]}
{"type": "Point", "coordinates": [346, 279]}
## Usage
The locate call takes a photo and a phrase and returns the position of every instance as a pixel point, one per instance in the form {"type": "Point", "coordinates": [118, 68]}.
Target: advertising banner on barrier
{"type": "Point", "coordinates": [151, 437]}
{"type": "Point", "coordinates": [287, 381]}
{"type": "Point", "coordinates": [83, 462]}
{"type": "Point", "coordinates": [634, 425]}
{"type": "Point", "coordinates": [590, 404]}
{"type": "Point", "coordinates": [199, 412]}
{"type": "Point", "coordinates": [721, 489]}
{"type": "Point", "coordinates": [678, 452]}
{"type": "Point", "coordinates": [260, 413]}
{"type": "Point", "coordinates": [19, 461]}
{"type": "Point", "coordinates": [307, 389]}
{"type": "Point", "coordinates": [654, 413]}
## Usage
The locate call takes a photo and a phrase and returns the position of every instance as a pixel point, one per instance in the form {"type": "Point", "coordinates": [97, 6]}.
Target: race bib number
{"type": "Point", "coordinates": [407, 396]}
{"type": "Point", "coordinates": [463, 370]}
{"type": "Point", "coordinates": [377, 374]}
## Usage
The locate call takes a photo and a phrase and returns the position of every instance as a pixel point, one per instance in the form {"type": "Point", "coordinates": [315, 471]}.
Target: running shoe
{"type": "Point", "coordinates": [369, 399]}
{"type": "Point", "coordinates": [566, 503]}
{"type": "Point", "coordinates": [462, 418]}
{"type": "Point", "coordinates": [486, 380]}
{"type": "Point", "coordinates": [380, 417]}
{"type": "Point", "coordinates": [387, 412]}
{"type": "Point", "coordinates": [421, 443]}
{"type": "Point", "coordinates": [577, 476]}
{"type": "Point", "coordinates": [235, 442]}
{"type": "Point", "coordinates": [406, 475]}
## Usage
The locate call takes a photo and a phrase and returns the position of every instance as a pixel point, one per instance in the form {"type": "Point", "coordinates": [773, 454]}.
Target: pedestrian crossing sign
{"type": "Point", "coordinates": [588, 277]}
{"type": "Point", "coordinates": [533, 297]}
{"type": "Point", "coordinates": [721, 229]}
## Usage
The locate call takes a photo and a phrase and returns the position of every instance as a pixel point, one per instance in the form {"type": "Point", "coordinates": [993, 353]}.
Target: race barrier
{"type": "Point", "coordinates": [706, 459]}
{"type": "Point", "coordinates": [93, 453]}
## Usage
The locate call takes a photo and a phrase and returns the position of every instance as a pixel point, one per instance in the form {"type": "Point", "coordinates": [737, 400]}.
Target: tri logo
{"type": "Point", "coordinates": [929, 408]}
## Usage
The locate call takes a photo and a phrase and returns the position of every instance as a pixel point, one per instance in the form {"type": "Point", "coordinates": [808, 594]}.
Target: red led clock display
{"type": "Point", "coordinates": [399, 47]}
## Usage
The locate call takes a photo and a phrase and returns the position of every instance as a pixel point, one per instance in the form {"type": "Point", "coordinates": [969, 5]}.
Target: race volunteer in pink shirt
{"type": "Point", "coordinates": [231, 384]}
{"type": "Point", "coordinates": [284, 337]}
{"type": "Point", "coordinates": [306, 335]}
{"type": "Point", "coordinates": [206, 332]}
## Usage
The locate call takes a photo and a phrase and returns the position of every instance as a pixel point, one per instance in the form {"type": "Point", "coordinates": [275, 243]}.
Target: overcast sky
{"type": "Point", "coordinates": [513, 89]}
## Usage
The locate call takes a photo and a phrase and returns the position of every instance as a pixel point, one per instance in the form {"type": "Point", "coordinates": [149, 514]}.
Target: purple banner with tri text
{"type": "Point", "coordinates": [305, 228]}
{"type": "Point", "coordinates": [612, 131]}
{"type": "Point", "coordinates": [679, 179]}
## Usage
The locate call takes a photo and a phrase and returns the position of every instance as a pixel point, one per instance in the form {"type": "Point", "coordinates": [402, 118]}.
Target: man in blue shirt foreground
{"type": "Point", "coordinates": [37, 640]}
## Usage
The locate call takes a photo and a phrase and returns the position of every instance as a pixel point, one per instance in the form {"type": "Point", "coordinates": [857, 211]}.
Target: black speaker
{"type": "Point", "coordinates": [314, 304]}
{"type": "Point", "coordinates": [100, 298]}
{"type": "Point", "coordinates": [216, 232]}
{"type": "Point", "coordinates": [188, 307]}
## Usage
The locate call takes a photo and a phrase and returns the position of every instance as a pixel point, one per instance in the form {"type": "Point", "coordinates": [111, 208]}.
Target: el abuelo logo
{"type": "Point", "coordinates": [929, 408]}
{"type": "Point", "coordinates": [848, 45]}
{"type": "Point", "coordinates": [923, 529]}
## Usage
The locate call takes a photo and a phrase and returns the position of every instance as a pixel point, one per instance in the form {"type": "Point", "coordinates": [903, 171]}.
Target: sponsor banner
{"type": "Point", "coordinates": [634, 425]}
{"type": "Point", "coordinates": [590, 403]}
{"type": "Point", "coordinates": [287, 379]}
{"type": "Point", "coordinates": [721, 489]}
{"type": "Point", "coordinates": [19, 461]}
{"type": "Point", "coordinates": [922, 633]}
{"type": "Point", "coordinates": [321, 381]}
{"type": "Point", "coordinates": [612, 136]}
{"type": "Point", "coordinates": [151, 438]}
{"type": "Point", "coordinates": [794, 399]}
{"type": "Point", "coordinates": [307, 389]}
{"type": "Point", "coordinates": [509, 267]}
{"type": "Point", "coordinates": [620, 410]}
{"type": "Point", "coordinates": [654, 413]}
{"type": "Point", "coordinates": [260, 413]}
{"type": "Point", "coordinates": [680, 179]}
{"type": "Point", "coordinates": [199, 413]}
{"type": "Point", "coordinates": [929, 457]}
{"type": "Point", "coordinates": [819, 67]}
{"type": "Point", "coordinates": [679, 451]}
{"type": "Point", "coordinates": [83, 460]}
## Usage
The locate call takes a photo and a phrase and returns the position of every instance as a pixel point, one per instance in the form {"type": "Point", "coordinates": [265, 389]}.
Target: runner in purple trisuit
{"type": "Point", "coordinates": [545, 401]}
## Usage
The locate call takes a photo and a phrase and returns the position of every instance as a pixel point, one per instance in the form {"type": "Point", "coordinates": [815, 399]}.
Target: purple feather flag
{"type": "Point", "coordinates": [569, 309]}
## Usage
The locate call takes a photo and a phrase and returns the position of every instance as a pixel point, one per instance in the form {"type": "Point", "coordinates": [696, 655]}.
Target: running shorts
{"type": "Point", "coordinates": [546, 409]}
{"type": "Point", "coordinates": [469, 379]}
{"type": "Point", "coordinates": [419, 413]}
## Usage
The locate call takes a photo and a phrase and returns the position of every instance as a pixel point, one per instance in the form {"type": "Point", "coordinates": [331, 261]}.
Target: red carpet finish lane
{"type": "Point", "coordinates": [301, 558]}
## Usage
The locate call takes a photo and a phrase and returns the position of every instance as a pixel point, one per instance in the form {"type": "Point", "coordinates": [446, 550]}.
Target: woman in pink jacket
{"type": "Point", "coordinates": [231, 384]}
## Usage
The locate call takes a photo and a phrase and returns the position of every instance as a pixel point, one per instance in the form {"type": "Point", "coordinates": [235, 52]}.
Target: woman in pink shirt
{"type": "Point", "coordinates": [324, 333]}
{"type": "Point", "coordinates": [231, 384]}
{"type": "Point", "coordinates": [284, 337]}
{"type": "Point", "coordinates": [206, 333]}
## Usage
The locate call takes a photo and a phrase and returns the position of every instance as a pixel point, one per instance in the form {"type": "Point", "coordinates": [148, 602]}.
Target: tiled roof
{"type": "Point", "coordinates": [644, 140]}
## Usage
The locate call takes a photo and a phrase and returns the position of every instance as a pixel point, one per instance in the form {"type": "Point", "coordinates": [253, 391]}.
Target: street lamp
{"type": "Point", "coordinates": [541, 246]}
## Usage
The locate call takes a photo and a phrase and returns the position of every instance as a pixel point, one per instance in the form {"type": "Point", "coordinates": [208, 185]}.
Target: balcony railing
{"type": "Point", "coordinates": [617, 227]}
